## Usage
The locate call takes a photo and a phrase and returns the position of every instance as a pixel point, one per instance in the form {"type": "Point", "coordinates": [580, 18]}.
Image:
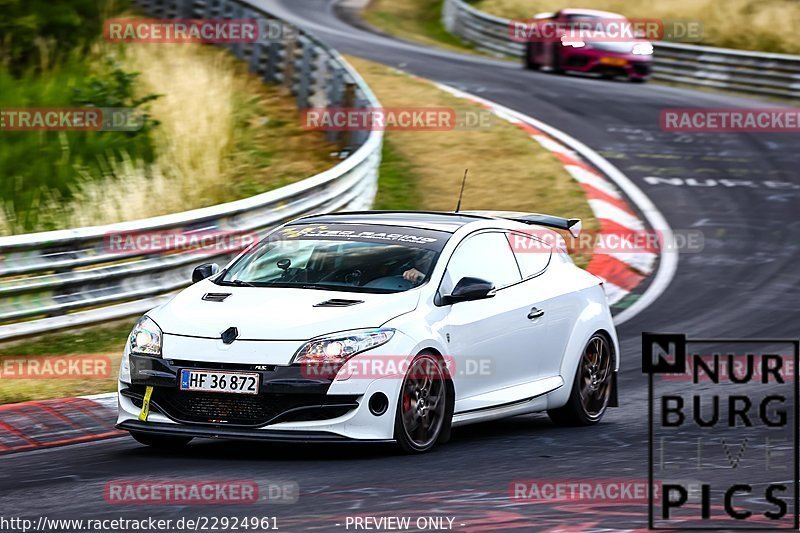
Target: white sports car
{"type": "Point", "coordinates": [375, 327]}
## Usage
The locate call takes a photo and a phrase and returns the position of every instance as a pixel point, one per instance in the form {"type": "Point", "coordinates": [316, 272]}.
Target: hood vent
{"type": "Point", "coordinates": [216, 296]}
{"type": "Point", "coordinates": [337, 302]}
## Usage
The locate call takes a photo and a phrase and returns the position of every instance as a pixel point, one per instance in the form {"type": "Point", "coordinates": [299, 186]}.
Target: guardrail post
{"type": "Point", "coordinates": [184, 9]}
{"type": "Point", "coordinates": [303, 67]}
{"type": "Point", "coordinates": [238, 47]}
{"type": "Point", "coordinates": [335, 94]}
{"type": "Point", "coordinates": [209, 12]}
{"type": "Point", "coordinates": [349, 101]}
{"type": "Point", "coordinates": [287, 70]}
{"type": "Point", "coordinates": [276, 52]}
{"type": "Point", "coordinates": [256, 51]}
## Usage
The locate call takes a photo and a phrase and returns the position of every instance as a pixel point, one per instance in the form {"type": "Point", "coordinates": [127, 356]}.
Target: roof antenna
{"type": "Point", "coordinates": [463, 182]}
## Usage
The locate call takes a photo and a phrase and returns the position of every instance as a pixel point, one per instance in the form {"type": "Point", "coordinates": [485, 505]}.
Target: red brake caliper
{"type": "Point", "coordinates": [406, 401]}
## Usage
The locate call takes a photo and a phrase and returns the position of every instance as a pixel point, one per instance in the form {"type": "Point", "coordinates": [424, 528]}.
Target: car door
{"type": "Point", "coordinates": [546, 284]}
{"type": "Point", "coordinates": [544, 292]}
{"type": "Point", "coordinates": [488, 338]}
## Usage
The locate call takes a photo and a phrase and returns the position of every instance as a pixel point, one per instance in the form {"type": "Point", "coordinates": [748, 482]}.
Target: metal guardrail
{"type": "Point", "coordinates": [64, 278]}
{"type": "Point", "coordinates": [736, 70]}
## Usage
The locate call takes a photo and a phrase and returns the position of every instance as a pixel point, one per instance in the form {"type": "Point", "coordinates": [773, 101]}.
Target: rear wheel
{"type": "Point", "coordinates": [423, 412]}
{"type": "Point", "coordinates": [591, 390]}
{"type": "Point", "coordinates": [163, 442]}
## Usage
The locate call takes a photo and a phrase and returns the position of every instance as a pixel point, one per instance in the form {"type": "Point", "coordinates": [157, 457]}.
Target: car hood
{"type": "Point", "coordinates": [269, 313]}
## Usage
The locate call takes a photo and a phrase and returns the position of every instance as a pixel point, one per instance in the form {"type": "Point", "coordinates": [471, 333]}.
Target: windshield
{"type": "Point", "coordinates": [342, 257]}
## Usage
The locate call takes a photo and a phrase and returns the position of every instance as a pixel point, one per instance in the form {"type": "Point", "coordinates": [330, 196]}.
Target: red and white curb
{"type": "Point", "coordinates": [46, 423]}
{"type": "Point", "coordinates": [621, 272]}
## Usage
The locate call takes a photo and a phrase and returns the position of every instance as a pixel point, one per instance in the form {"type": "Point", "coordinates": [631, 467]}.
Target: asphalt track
{"type": "Point", "coordinates": [745, 283]}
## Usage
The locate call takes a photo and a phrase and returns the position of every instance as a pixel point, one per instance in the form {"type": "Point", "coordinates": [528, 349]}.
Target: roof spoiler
{"type": "Point", "coordinates": [573, 225]}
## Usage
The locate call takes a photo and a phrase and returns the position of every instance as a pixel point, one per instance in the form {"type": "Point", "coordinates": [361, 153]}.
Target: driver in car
{"type": "Point", "coordinates": [414, 270]}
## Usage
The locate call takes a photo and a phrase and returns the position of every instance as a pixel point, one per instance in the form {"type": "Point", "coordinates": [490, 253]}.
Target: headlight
{"type": "Point", "coordinates": [643, 49]}
{"type": "Point", "coordinates": [145, 338]}
{"type": "Point", "coordinates": [340, 347]}
{"type": "Point", "coordinates": [571, 41]}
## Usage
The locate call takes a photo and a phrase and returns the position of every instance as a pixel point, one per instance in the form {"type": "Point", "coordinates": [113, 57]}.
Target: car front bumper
{"type": "Point", "coordinates": [291, 405]}
{"type": "Point", "coordinates": [594, 61]}
{"type": "Point", "coordinates": [294, 437]}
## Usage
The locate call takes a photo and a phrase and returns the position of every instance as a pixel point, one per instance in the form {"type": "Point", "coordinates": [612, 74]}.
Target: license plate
{"type": "Point", "coordinates": [614, 61]}
{"type": "Point", "coordinates": [214, 381]}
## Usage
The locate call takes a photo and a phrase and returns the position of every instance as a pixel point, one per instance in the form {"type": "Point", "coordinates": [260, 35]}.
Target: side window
{"type": "Point", "coordinates": [487, 256]}
{"type": "Point", "coordinates": [533, 255]}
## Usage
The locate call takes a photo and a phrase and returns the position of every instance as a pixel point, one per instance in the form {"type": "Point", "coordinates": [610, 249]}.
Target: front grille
{"type": "Point", "coordinates": [642, 69]}
{"type": "Point", "coordinates": [577, 61]}
{"type": "Point", "coordinates": [244, 409]}
{"type": "Point", "coordinates": [220, 366]}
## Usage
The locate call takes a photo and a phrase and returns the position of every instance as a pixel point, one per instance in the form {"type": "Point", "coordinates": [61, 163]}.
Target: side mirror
{"type": "Point", "coordinates": [204, 271]}
{"type": "Point", "coordinates": [468, 289]}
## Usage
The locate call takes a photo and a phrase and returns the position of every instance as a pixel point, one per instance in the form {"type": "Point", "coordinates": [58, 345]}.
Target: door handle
{"type": "Point", "coordinates": [535, 313]}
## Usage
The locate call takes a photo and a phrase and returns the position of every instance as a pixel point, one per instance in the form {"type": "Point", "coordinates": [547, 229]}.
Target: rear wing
{"type": "Point", "coordinates": [573, 225]}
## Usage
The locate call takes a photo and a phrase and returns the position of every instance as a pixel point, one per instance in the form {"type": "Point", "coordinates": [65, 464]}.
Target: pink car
{"type": "Point", "coordinates": [583, 40]}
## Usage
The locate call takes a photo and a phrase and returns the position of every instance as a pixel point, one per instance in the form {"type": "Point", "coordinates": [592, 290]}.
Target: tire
{"type": "Point", "coordinates": [638, 80]}
{"type": "Point", "coordinates": [556, 61]}
{"type": "Point", "coordinates": [162, 442]}
{"type": "Point", "coordinates": [591, 389]}
{"type": "Point", "coordinates": [530, 63]}
{"type": "Point", "coordinates": [418, 426]}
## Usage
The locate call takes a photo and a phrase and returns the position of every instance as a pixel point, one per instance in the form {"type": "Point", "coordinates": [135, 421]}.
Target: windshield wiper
{"type": "Point", "coordinates": [240, 283]}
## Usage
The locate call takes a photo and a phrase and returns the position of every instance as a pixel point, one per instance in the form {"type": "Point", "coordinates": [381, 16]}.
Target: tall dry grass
{"type": "Point", "coordinates": [222, 135]}
{"type": "Point", "coordinates": [193, 139]}
{"type": "Point", "coordinates": [768, 25]}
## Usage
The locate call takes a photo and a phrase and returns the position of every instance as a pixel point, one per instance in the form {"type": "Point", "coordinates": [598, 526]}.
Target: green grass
{"type": "Point", "coordinates": [97, 339]}
{"type": "Point", "coordinates": [397, 187]}
{"type": "Point", "coordinates": [46, 167]}
{"type": "Point", "coordinates": [415, 20]}
{"type": "Point", "coordinates": [106, 341]}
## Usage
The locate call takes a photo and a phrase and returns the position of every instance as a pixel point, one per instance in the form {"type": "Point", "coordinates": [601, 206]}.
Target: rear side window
{"type": "Point", "coordinates": [532, 254]}
{"type": "Point", "coordinates": [486, 256]}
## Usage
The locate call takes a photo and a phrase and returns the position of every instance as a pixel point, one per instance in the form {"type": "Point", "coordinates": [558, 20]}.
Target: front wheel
{"type": "Point", "coordinates": [530, 62]}
{"type": "Point", "coordinates": [423, 412]}
{"type": "Point", "coordinates": [555, 64]}
{"type": "Point", "coordinates": [162, 442]}
{"type": "Point", "coordinates": [591, 390]}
